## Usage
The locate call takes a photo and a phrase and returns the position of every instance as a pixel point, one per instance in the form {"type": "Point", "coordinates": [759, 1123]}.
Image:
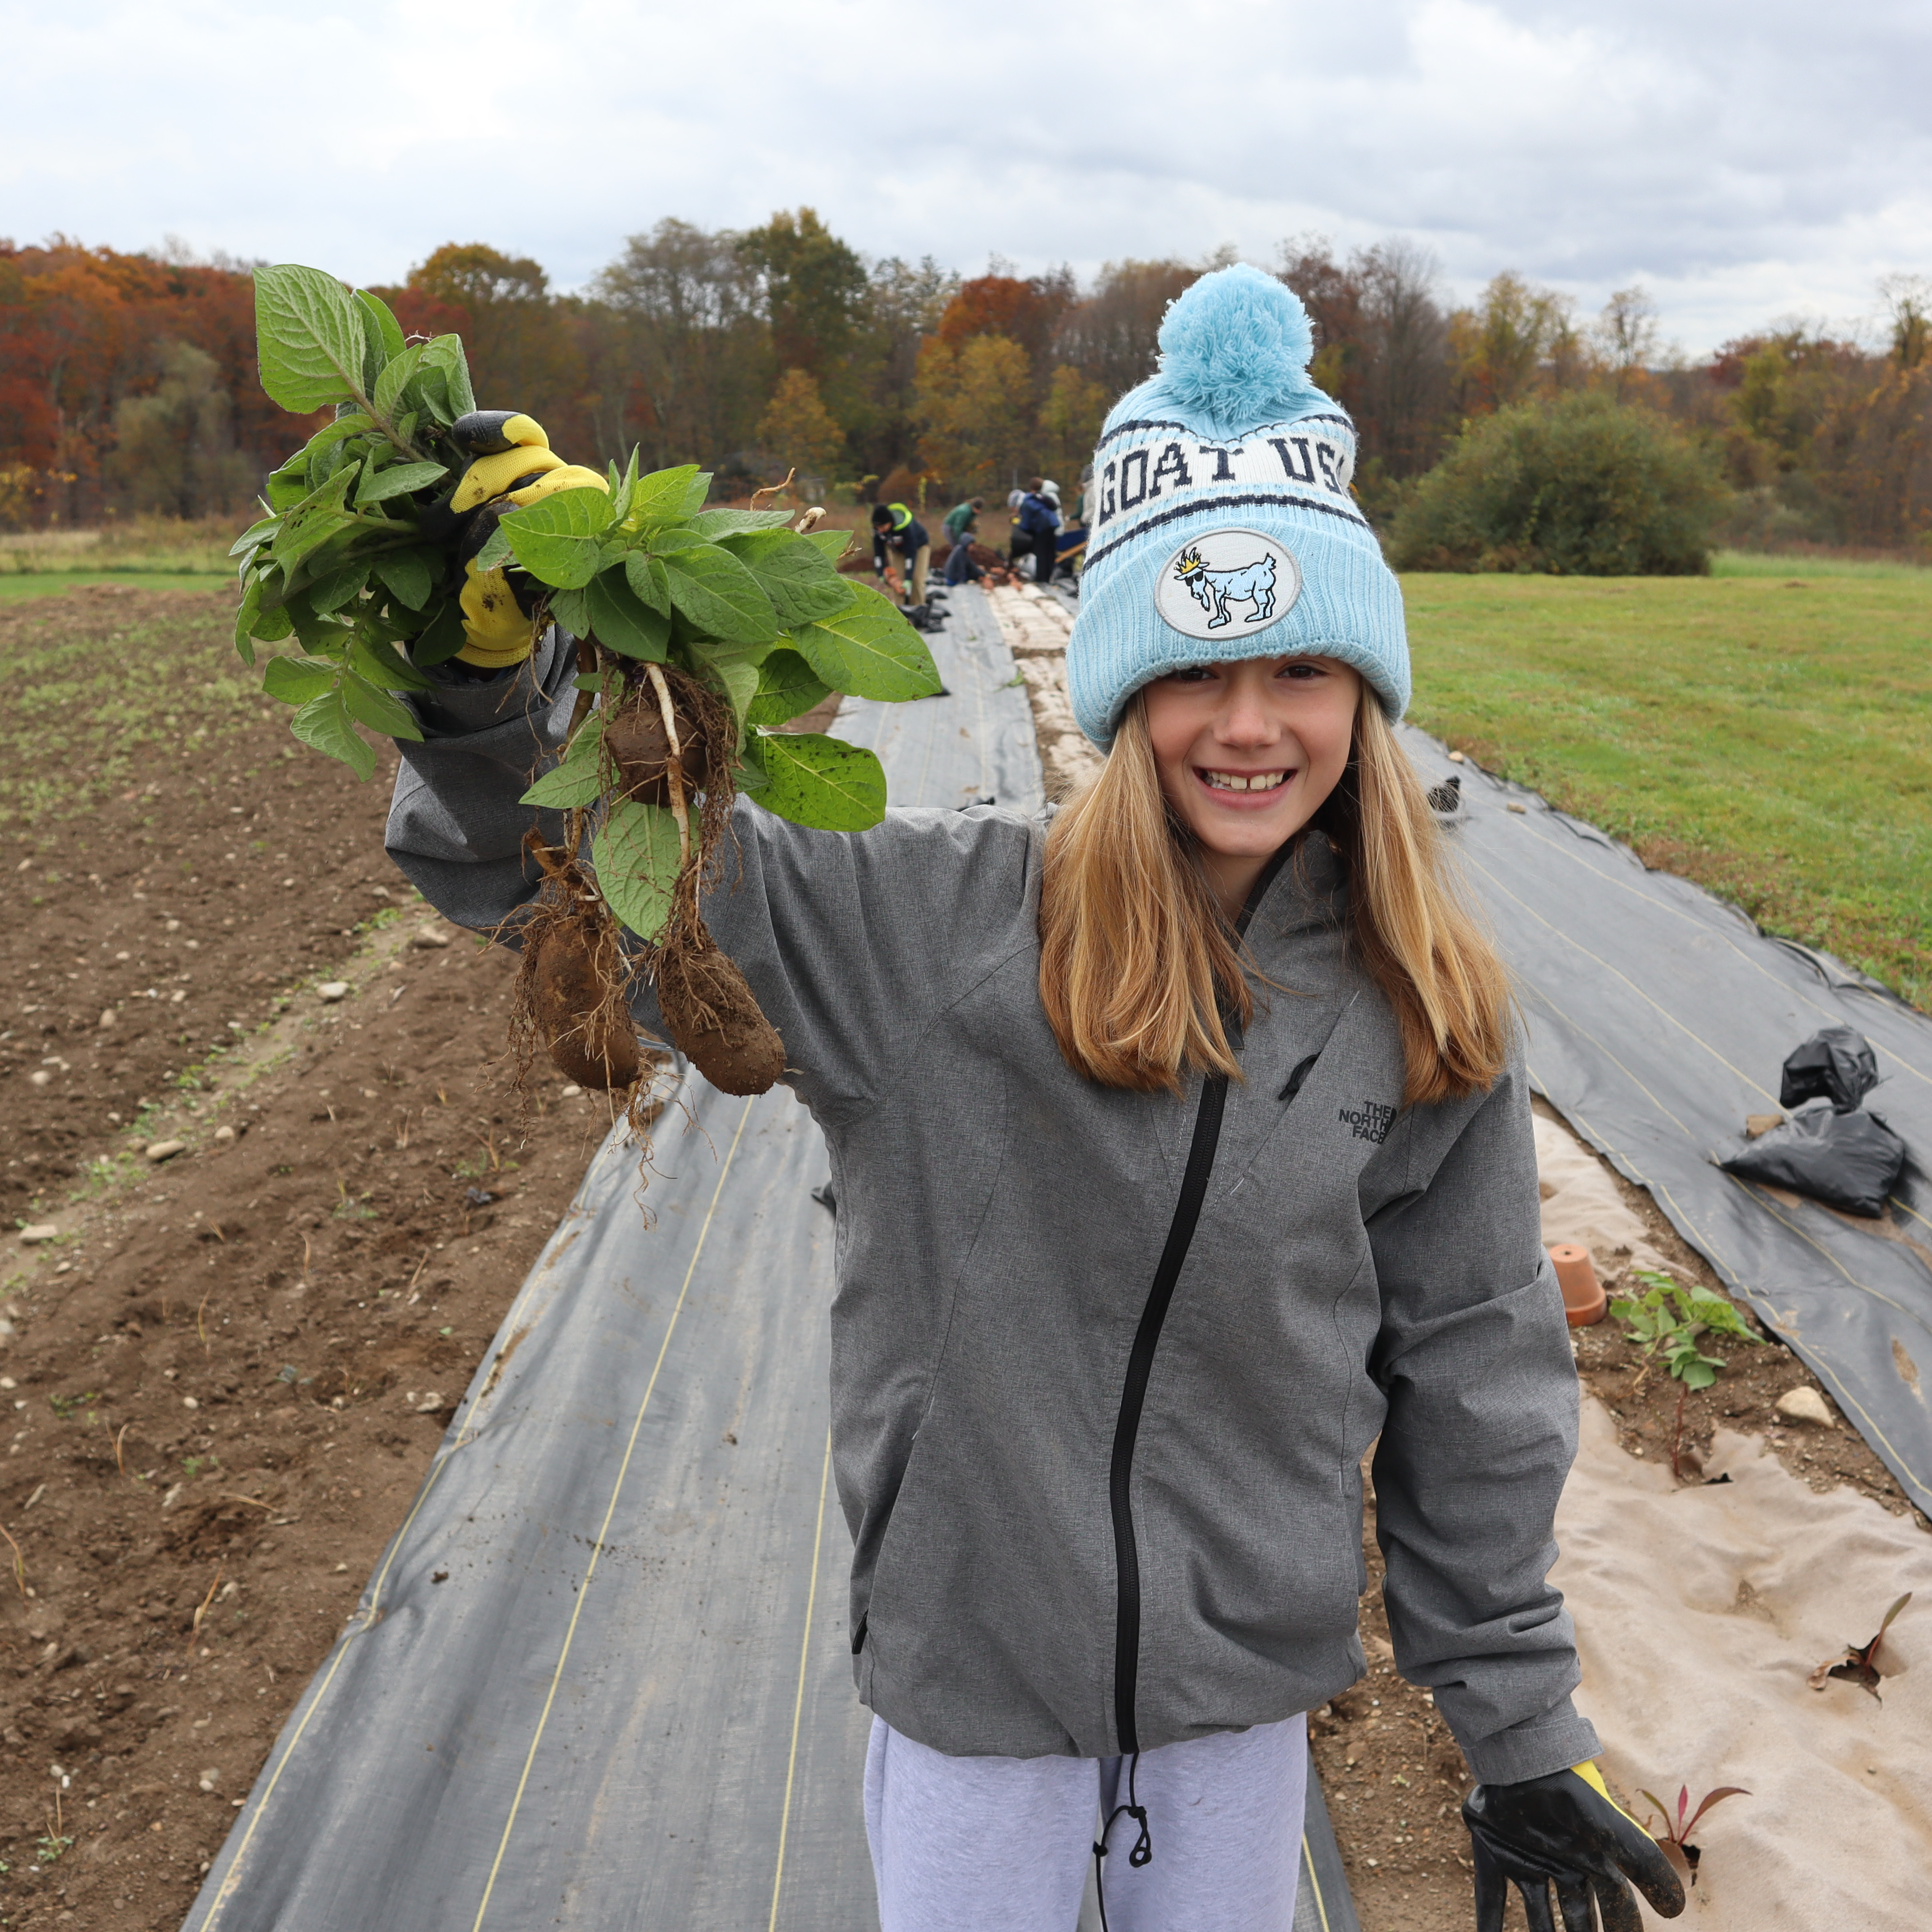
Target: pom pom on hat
{"type": "Point", "coordinates": [1235, 350]}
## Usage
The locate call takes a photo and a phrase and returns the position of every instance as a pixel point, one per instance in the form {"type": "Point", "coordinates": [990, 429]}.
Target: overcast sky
{"type": "Point", "coordinates": [1743, 161]}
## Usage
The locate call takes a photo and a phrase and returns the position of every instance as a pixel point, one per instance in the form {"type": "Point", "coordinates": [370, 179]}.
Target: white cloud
{"type": "Point", "coordinates": [1744, 161]}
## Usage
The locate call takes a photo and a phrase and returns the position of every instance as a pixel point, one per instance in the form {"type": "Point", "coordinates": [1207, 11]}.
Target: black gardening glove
{"type": "Point", "coordinates": [1563, 1830]}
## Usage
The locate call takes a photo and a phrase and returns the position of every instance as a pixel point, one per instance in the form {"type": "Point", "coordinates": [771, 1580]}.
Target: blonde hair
{"type": "Point", "coordinates": [1140, 970]}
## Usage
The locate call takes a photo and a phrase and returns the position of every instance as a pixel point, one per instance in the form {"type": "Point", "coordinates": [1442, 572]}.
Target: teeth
{"type": "Point", "coordinates": [1244, 781]}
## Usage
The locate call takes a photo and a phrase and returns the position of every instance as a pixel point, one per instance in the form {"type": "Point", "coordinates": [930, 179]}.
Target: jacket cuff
{"type": "Point", "coordinates": [460, 706]}
{"type": "Point", "coordinates": [1552, 1742]}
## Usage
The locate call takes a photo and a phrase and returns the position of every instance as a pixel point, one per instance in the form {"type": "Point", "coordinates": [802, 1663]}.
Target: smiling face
{"type": "Point", "coordinates": [1248, 752]}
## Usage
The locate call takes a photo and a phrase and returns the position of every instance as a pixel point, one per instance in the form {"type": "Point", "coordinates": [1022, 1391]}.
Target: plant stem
{"type": "Point", "coordinates": [1677, 1433]}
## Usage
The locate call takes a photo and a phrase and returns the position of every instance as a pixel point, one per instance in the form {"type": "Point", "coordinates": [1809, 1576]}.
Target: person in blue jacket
{"type": "Point", "coordinates": [1183, 1155]}
{"type": "Point", "coordinates": [1039, 523]}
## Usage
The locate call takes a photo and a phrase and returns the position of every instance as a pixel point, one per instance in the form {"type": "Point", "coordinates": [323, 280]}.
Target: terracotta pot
{"type": "Point", "coordinates": [1584, 1301]}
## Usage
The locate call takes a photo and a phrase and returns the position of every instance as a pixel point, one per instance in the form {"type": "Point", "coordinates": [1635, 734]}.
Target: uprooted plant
{"type": "Point", "coordinates": [1669, 1324]}
{"type": "Point", "coordinates": [1676, 1840]}
{"type": "Point", "coordinates": [699, 632]}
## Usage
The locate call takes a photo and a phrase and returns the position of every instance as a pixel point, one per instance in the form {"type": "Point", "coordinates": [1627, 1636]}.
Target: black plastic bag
{"type": "Point", "coordinates": [1850, 1160]}
{"type": "Point", "coordinates": [1837, 1065]}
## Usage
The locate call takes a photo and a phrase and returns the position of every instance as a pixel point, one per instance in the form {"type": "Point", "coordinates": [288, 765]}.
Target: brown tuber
{"type": "Point", "coordinates": [641, 752]}
{"type": "Point", "coordinates": [589, 1037]}
{"type": "Point", "coordinates": [711, 1014]}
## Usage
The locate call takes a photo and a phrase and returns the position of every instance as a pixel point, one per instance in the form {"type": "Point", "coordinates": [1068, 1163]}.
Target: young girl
{"type": "Point", "coordinates": [1182, 1151]}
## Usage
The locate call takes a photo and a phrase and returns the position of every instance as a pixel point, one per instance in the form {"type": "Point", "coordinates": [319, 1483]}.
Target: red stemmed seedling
{"type": "Point", "coordinates": [1858, 1662]}
{"type": "Point", "coordinates": [1676, 1840]}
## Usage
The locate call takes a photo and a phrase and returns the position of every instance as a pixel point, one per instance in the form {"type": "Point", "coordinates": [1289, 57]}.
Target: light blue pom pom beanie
{"type": "Point", "coordinates": [1223, 526]}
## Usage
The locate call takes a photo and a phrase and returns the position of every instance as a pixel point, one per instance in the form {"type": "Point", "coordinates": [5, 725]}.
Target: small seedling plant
{"type": "Point", "coordinates": [699, 631]}
{"type": "Point", "coordinates": [1858, 1663]}
{"type": "Point", "coordinates": [1676, 1840]}
{"type": "Point", "coordinates": [1669, 1324]}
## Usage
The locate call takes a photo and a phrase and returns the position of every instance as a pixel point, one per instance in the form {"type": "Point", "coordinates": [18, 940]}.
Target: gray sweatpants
{"type": "Point", "coordinates": [1004, 1844]}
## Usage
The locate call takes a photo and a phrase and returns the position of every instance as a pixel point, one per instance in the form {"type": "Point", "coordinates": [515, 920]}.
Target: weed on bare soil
{"type": "Point", "coordinates": [225, 1375]}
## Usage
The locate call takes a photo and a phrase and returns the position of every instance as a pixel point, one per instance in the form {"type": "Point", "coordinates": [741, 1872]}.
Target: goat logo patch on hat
{"type": "Point", "coordinates": [1227, 582]}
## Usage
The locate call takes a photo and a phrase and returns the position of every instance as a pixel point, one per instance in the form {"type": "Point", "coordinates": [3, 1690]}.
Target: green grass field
{"type": "Point", "coordinates": [1766, 731]}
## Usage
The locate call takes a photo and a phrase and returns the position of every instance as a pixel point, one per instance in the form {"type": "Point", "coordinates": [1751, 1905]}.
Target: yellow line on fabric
{"type": "Point", "coordinates": [1314, 1883]}
{"type": "Point", "coordinates": [804, 1665]}
{"type": "Point", "coordinates": [603, 1529]}
{"type": "Point", "coordinates": [1688, 1032]}
{"type": "Point", "coordinates": [233, 1879]}
{"type": "Point", "coordinates": [1701, 925]}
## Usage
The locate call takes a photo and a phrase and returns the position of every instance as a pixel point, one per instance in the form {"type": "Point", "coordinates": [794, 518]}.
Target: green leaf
{"type": "Point", "coordinates": [572, 609]}
{"type": "Point", "coordinates": [648, 578]}
{"type": "Point", "coordinates": [622, 621]}
{"type": "Point", "coordinates": [324, 723]}
{"type": "Point", "coordinates": [869, 650]}
{"type": "Point", "coordinates": [719, 596]}
{"type": "Point", "coordinates": [377, 665]}
{"type": "Point", "coordinates": [311, 523]}
{"type": "Point", "coordinates": [787, 687]}
{"type": "Point", "coordinates": [734, 668]}
{"type": "Point", "coordinates": [254, 536]}
{"type": "Point", "coordinates": [714, 524]}
{"type": "Point", "coordinates": [623, 488]}
{"type": "Point", "coordinates": [309, 336]}
{"type": "Point", "coordinates": [442, 356]}
{"type": "Point", "coordinates": [441, 637]}
{"type": "Point", "coordinates": [409, 574]}
{"type": "Point", "coordinates": [338, 588]}
{"type": "Point", "coordinates": [377, 709]}
{"type": "Point", "coordinates": [666, 496]}
{"type": "Point", "coordinates": [578, 780]}
{"type": "Point", "coordinates": [320, 636]}
{"type": "Point", "coordinates": [297, 680]}
{"type": "Point", "coordinates": [817, 780]}
{"type": "Point", "coordinates": [246, 619]}
{"type": "Point", "coordinates": [831, 545]}
{"type": "Point", "coordinates": [287, 486]}
{"type": "Point", "coordinates": [388, 330]}
{"type": "Point", "coordinates": [802, 585]}
{"type": "Point", "coordinates": [400, 479]}
{"type": "Point", "coordinates": [495, 551]}
{"type": "Point", "coordinates": [395, 378]}
{"type": "Point", "coordinates": [636, 858]}
{"type": "Point", "coordinates": [555, 539]}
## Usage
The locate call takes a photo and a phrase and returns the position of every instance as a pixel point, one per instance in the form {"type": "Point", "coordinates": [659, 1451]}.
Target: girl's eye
{"type": "Point", "coordinates": [1304, 671]}
{"type": "Point", "coordinates": [1192, 674]}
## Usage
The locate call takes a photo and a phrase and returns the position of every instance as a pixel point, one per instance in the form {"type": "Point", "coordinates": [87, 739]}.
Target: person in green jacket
{"type": "Point", "coordinates": [962, 523]}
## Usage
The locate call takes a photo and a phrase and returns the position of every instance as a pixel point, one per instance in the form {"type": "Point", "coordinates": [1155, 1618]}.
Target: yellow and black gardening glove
{"type": "Point", "coordinates": [1565, 1831]}
{"type": "Point", "coordinates": [511, 463]}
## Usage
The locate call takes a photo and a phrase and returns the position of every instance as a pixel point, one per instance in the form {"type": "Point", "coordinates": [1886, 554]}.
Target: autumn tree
{"type": "Point", "coordinates": [798, 431]}
{"type": "Point", "coordinates": [175, 452]}
{"type": "Point", "coordinates": [975, 407]}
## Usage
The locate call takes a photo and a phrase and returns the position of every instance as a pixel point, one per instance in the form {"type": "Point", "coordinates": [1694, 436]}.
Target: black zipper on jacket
{"type": "Point", "coordinates": [1133, 1394]}
{"type": "Point", "coordinates": [1201, 1151]}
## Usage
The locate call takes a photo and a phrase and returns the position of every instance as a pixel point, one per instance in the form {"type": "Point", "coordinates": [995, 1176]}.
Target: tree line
{"type": "Point", "coordinates": [128, 383]}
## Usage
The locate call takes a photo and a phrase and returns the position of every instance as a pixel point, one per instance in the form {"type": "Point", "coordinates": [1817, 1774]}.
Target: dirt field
{"type": "Point", "coordinates": [226, 1376]}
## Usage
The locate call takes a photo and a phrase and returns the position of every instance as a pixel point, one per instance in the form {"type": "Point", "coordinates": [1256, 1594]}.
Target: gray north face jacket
{"type": "Point", "coordinates": [1104, 1365]}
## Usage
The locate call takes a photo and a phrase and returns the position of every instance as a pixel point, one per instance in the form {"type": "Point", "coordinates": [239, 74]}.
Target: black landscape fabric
{"type": "Point", "coordinates": [602, 1675]}
{"type": "Point", "coordinates": [1659, 1018]}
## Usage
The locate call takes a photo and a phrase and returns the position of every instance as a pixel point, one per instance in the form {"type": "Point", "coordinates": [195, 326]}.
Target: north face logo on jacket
{"type": "Point", "coordinates": [1371, 1120]}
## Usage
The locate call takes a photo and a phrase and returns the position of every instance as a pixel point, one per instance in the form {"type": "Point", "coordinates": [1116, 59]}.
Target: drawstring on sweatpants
{"type": "Point", "coordinates": [1142, 1853]}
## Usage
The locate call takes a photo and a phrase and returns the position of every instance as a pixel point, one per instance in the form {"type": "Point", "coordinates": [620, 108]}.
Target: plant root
{"type": "Point", "coordinates": [573, 984]}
